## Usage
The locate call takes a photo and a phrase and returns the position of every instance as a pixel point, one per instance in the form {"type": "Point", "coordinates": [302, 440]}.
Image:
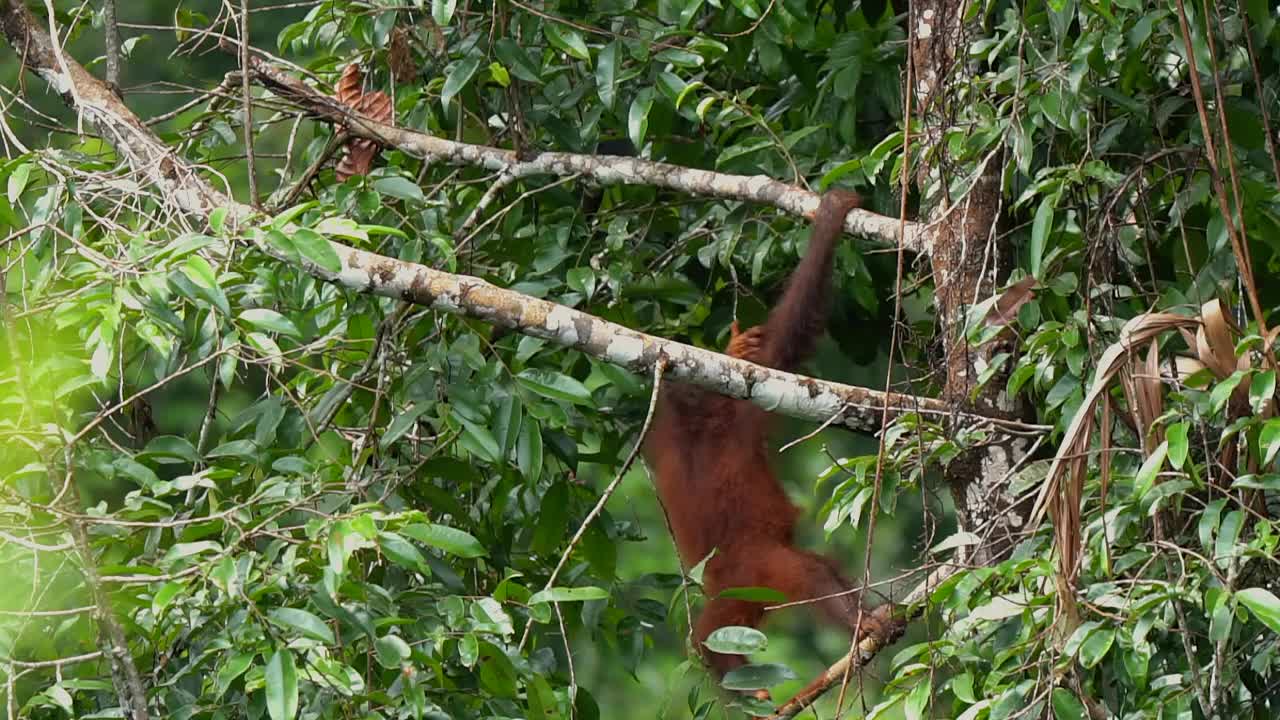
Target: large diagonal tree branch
{"type": "Point", "coordinates": [603, 169]}
{"type": "Point", "coordinates": [785, 393]}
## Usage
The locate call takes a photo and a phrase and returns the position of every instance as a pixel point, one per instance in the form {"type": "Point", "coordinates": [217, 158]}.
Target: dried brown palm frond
{"type": "Point", "coordinates": [1062, 493]}
{"type": "Point", "coordinates": [1212, 336]}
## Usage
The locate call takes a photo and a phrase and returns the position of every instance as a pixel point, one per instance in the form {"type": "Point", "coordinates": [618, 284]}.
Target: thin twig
{"type": "Point", "coordinates": [659, 368]}
{"type": "Point", "coordinates": [246, 89]}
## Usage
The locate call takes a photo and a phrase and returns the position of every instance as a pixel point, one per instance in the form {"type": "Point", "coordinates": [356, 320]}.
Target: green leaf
{"type": "Point", "coordinates": [281, 680]}
{"type": "Point", "coordinates": [1066, 706]}
{"type": "Point", "coordinates": [1146, 476]}
{"type": "Point", "coordinates": [18, 182]}
{"type": "Point", "coordinates": [607, 66]}
{"type": "Point", "coordinates": [1040, 231]}
{"type": "Point", "coordinates": [1208, 524]}
{"type": "Point", "coordinates": [451, 540]}
{"type": "Point", "coordinates": [303, 622]}
{"type": "Point", "coordinates": [399, 187]}
{"type": "Point", "coordinates": [566, 39]}
{"type": "Point", "coordinates": [515, 59]}
{"type": "Point", "coordinates": [1261, 389]}
{"type": "Point", "coordinates": [918, 699]}
{"type": "Point", "coordinates": [499, 74]}
{"type": "Point", "coordinates": [458, 78]}
{"type": "Point", "coordinates": [638, 117]}
{"type": "Point", "coordinates": [317, 248]}
{"type": "Point", "coordinates": [402, 552]}
{"type": "Point", "coordinates": [232, 669]}
{"type": "Point", "coordinates": [1263, 604]}
{"type": "Point", "coordinates": [205, 279]}
{"type": "Point", "coordinates": [218, 220]}
{"type": "Point", "coordinates": [442, 11]}
{"type": "Point", "coordinates": [736, 640]}
{"type": "Point", "coordinates": [1221, 392]}
{"type": "Point", "coordinates": [569, 594]}
{"type": "Point", "coordinates": [1269, 440]}
{"type": "Point", "coordinates": [271, 321]}
{"type": "Point", "coordinates": [529, 450]}
{"type": "Point", "coordinates": [757, 677]}
{"type": "Point", "coordinates": [393, 651]}
{"type": "Point", "coordinates": [1225, 547]}
{"type": "Point", "coordinates": [555, 385]}
{"type": "Point", "coordinates": [401, 424]}
{"type": "Point", "coordinates": [165, 595]}
{"type": "Point", "coordinates": [962, 688]}
{"type": "Point", "coordinates": [1095, 647]}
{"type": "Point", "coordinates": [1178, 445]}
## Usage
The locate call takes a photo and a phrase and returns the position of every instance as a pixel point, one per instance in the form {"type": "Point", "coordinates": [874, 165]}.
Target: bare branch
{"type": "Point", "coordinates": [603, 169]}
{"type": "Point", "coordinates": [864, 651]}
{"type": "Point", "coordinates": [111, 37]}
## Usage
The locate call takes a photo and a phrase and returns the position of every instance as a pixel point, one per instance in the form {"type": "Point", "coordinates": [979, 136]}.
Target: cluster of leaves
{"type": "Point", "coordinates": [312, 503]}
{"type": "Point", "coordinates": [1092, 106]}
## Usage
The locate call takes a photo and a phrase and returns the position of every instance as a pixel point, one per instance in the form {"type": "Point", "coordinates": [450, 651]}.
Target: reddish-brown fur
{"type": "Point", "coordinates": [713, 469]}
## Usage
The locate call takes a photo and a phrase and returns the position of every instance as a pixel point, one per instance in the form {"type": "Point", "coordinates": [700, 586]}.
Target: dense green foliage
{"type": "Point", "coordinates": [317, 503]}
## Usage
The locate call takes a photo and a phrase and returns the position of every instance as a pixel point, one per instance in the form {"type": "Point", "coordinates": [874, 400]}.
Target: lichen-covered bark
{"type": "Point", "coordinates": [603, 169]}
{"type": "Point", "coordinates": [969, 261]}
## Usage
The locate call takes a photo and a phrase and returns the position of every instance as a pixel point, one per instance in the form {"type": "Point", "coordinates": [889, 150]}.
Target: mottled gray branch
{"type": "Point", "coordinates": [603, 169]}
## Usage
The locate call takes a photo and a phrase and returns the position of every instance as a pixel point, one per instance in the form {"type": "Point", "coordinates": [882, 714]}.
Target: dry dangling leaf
{"type": "Point", "coordinates": [1014, 297]}
{"type": "Point", "coordinates": [376, 106]}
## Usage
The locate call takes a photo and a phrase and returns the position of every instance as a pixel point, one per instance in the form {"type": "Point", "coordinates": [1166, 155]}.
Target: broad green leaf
{"type": "Point", "coordinates": [392, 651]}
{"type": "Point", "coordinates": [1263, 604]}
{"type": "Point", "coordinates": [281, 680]}
{"type": "Point", "coordinates": [271, 321]}
{"type": "Point", "coordinates": [607, 66]}
{"type": "Point", "coordinates": [962, 688]}
{"type": "Point", "coordinates": [757, 677]}
{"type": "Point", "coordinates": [402, 552]}
{"type": "Point", "coordinates": [555, 385]}
{"type": "Point", "coordinates": [1222, 392]}
{"type": "Point", "coordinates": [399, 187]}
{"type": "Point", "coordinates": [1040, 228]}
{"type": "Point", "coordinates": [1262, 388]}
{"type": "Point", "coordinates": [442, 11]}
{"type": "Point", "coordinates": [1225, 546]}
{"type": "Point", "coordinates": [205, 278]}
{"type": "Point", "coordinates": [1095, 647]}
{"type": "Point", "coordinates": [1269, 440]}
{"type": "Point", "coordinates": [165, 595]}
{"type": "Point", "coordinates": [458, 77]}
{"type": "Point", "coordinates": [918, 699]}
{"type": "Point", "coordinates": [317, 248]}
{"type": "Point", "coordinates": [18, 182]}
{"type": "Point", "coordinates": [1066, 706]}
{"type": "Point", "coordinates": [232, 669]}
{"type": "Point", "coordinates": [517, 60]}
{"type": "Point", "coordinates": [303, 622]}
{"type": "Point", "coordinates": [638, 117]}
{"type": "Point", "coordinates": [1145, 479]}
{"type": "Point", "coordinates": [569, 594]}
{"type": "Point", "coordinates": [735, 640]}
{"type": "Point", "coordinates": [451, 540]}
{"type": "Point", "coordinates": [529, 450]}
{"type": "Point", "coordinates": [1178, 445]}
{"type": "Point", "coordinates": [566, 39]}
